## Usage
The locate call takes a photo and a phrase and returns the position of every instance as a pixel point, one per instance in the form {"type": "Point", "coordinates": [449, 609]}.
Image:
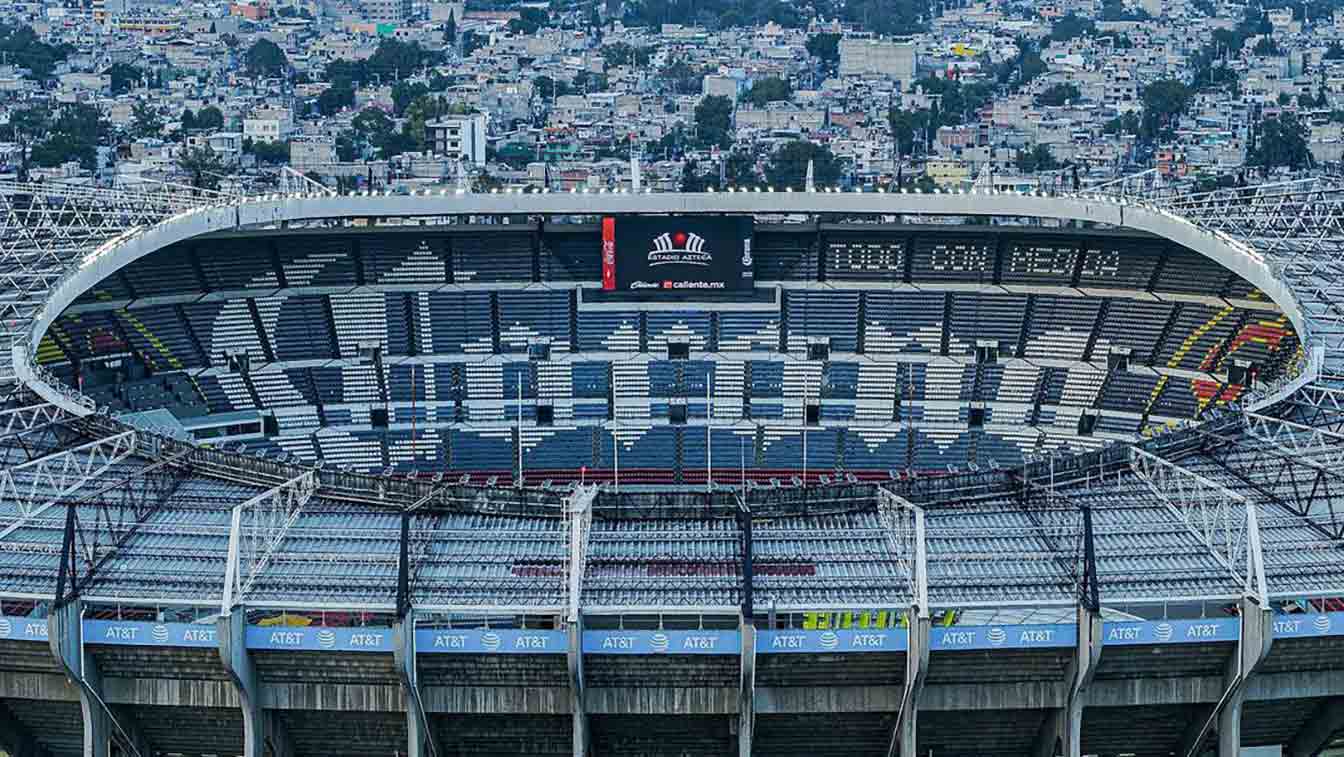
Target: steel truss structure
{"type": "Point", "coordinates": [47, 227]}
{"type": "Point", "coordinates": [904, 523]}
{"type": "Point", "coordinates": [1298, 227]}
{"type": "Point", "coordinates": [1298, 468]}
{"type": "Point", "coordinates": [23, 419]}
{"type": "Point", "coordinates": [257, 528]}
{"type": "Point", "coordinates": [37, 486]}
{"type": "Point", "coordinates": [1223, 520]}
{"type": "Point", "coordinates": [120, 507]}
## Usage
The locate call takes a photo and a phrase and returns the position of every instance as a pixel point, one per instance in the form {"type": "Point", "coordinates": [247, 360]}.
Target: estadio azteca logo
{"type": "Point", "coordinates": [680, 248]}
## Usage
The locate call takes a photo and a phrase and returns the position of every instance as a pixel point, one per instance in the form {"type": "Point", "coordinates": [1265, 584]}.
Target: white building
{"type": "Point", "coordinates": [388, 11]}
{"type": "Point", "coordinates": [312, 152]}
{"type": "Point", "coordinates": [866, 55]}
{"type": "Point", "coordinates": [461, 137]}
{"type": "Point", "coordinates": [263, 129]}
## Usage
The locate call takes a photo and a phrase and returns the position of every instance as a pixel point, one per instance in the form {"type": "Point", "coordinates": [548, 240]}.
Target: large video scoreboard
{"type": "Point", "coordinates": [677, 254]}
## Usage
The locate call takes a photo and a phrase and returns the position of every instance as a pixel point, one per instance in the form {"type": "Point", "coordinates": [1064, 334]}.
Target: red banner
{"type": "Point", "coordinates": [608, 253]}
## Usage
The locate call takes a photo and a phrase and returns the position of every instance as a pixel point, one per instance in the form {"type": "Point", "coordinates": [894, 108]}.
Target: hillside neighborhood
{"type": "Point", "coordinates": [667, 95]}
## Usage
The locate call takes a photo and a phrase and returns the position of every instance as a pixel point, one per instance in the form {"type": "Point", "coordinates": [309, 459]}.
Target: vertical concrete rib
{"type": "Point", "coordinates": [65, 632]}
{"type": "Point", "coordinates": [420, 738]}
{"type": "Point", "coordinates": [263, 732]}
{"type": "Point", "coordinates": [916, 668]}
{"type": "Point", "coordinates": [1253, 644]}
{"type": "Point", "coordinates": [580, 716]}
{"type": "Point", "coordinates": [746, 699]}
{"type": "Point", "coordinates": [1062, 732]}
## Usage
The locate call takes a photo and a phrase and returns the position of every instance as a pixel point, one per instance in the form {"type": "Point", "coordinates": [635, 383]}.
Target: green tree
{"type": "Point", "coordinates": [1022, 68]}
{"type": "Point", "coordinates": [714, 121]}
{"type": "Point", "coordinates": [74, 135]}
{"type": "Point", "coordinates": [548, 89]}
{"type": "Point", "coordinates": [124, 77]}
{"type": "Point", "coordinates": [681, 78]}
{"type": "Point", "coordinates": [587, 81]}
{"type": "Point", "coordinates": [471, 42]}
{"type": "Point", "coordinates": [905, 126]}
{"type": "Point", "coordinates": [825, 48]}
{"type": "Point", "coordinates": [265, 59]}
{"type": "Point", "coordinates": [26, 126]}
{"type": "Point", "coordinates": [424, 109]}
{"type": "Point", "coordinates": [345, 146]}
{"type": "Point", "coordinates": [450, 32]}
{"type": "Point", "coordinates": [528, 22]}
{"type": "Point", "coordinates": [1070, 26]}
{"type": "Point", "coordinates": [770, 89]}
{"type": "Point", "coordinates": [394, 59]}
{"type": "Point", "coordinates": [691, 180]}
{"type": "Point", "coordinates": [787, 167]}
{"type": "Point", "coordinates": [1163, 100]}
{"type": "Point", "coordinates": [891, 17]}
{"type": "Point", "coordinates": [1281, 141]}
{"type": "Point", "coordinates": [20, 45]}
{"type": "Point", "coordinates": [372, 124]}
{"type": "Point", "coordinates": [403, 93]}
{"type": "Point", "coordinates": [334, 98]}
{"type": "Point", "coordinates": [1127, 123]}
{"type": "Point", "coordinates": [1266, 47]}
{"type": "Point", "coordinates": [145, 121]}
{"type": "Point", "coordinates": [1058, 94]}
{"type": "Point", "coordinates": [203, 167]}
{"type": "Point", "coordinates": [1039, 158]}
{"type": "Point", "coordinates": [271, 153]}
{"type": "Point", "coordinates": [623, 54]}
{"type": "Point", "coordinates": [210, 118]}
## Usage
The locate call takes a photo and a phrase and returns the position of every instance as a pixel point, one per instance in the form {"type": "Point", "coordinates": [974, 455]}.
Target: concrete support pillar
{"type": "Point", "coordinates": [263, 732]}
{"type": "Point", "coordinates": [420, 739]}
{"type": "Point", "coordinates": [16, 739]}
{"type": "Point", "coordinates": [65, 632]}
{"type": "Point", "coordinates": [746, 699]}
{"type": "Point", "coordinates": [1327, 721]}
{"type": "Point", "coordinates": [1253, 644]}
{"type": "Point", "coordinates": [916, 668]}
{"type": "Point", "coordinates": [576, 687]}
{"type": "Point", "coordinates": [1062, 732]}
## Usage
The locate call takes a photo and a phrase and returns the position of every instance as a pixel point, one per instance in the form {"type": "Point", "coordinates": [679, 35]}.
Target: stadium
{"type": "Point", "coordinates": [633, 473]}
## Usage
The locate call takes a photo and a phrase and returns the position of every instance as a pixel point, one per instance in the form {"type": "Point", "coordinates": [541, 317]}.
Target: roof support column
{"type": "Point", "coordinates": [1257, 634]}
{"type": "Point", "coordinates": [420, 740]}
{"type": "Point", "coordinates": [578, 523]}
{"type": "Point", "coordinates": [65, 630]}
{"type": "Point", "coordinates": [746, 698]}
{"type": "Point", "coordinates": [917, 645]}
{"type": "Point", "coordinates": [263, 733]}
{"type": "Point", "coordinates": [1062, 732]}
{"type": "Point", "coordinates": [1317, 732]}
{"type": "Point", "coordinates": [916, 668]}
{"type": "Point", "coordinates": [576, 686]}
